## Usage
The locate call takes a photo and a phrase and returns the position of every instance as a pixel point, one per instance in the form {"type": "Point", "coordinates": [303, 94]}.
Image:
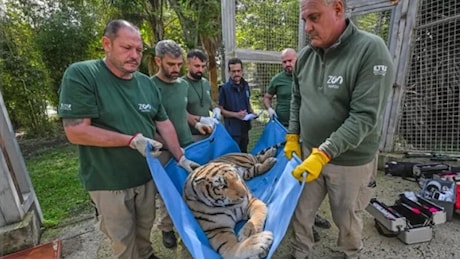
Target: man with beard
{"type": "Point", "coordinates": [281, 85]}
{"type": "Point", "coordinates": [112, 138]}
{"type": "Point", "coordinates": [199, 96]}
{"type": "Point", "coordinates": [174, 92]}
{"type": "Point", "coordinates": [234, 102]}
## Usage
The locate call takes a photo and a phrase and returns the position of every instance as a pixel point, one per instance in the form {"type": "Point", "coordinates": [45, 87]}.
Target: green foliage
{"type": "Point", "coordinates": [39, 39]}
{"type": "Point", "coordinates": [267, 25]}
{"type": "Point", "coordinates": [69, 34]}
{"type": "Point", "coordinates": [198, 19]}
{"type": "Point", "coordinates": [24, 78]}
{"type": "Point", "coordinates": [377, 23]}
{"type": "Point", "coordinates": [54, 174]}
{"type": "Point", "coordinates": [130, 10]}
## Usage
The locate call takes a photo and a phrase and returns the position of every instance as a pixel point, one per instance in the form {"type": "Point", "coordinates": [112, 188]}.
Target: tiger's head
{"type": "Point", "coordinates": [218, 184]}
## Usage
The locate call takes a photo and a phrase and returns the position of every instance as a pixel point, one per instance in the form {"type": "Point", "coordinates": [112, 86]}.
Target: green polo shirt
{"type": "Point", "coordinates": [90, 90]}
{"type": "Point", "coordinates": [281, 85]}
{"type": "Point", "coordinates": [175, 97]}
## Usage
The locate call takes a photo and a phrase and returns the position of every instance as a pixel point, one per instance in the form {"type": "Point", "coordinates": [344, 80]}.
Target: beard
{"type": "Point", "coordinates": [237, 80]}
{"type": "Point", "coordinates": [288, 70]}
{"type": "Point", "coordinates": [196, 76]}
{"type": "Point", "coordinates": [168, 75]}
{"type": "Point", "coordinates": [171, 76]}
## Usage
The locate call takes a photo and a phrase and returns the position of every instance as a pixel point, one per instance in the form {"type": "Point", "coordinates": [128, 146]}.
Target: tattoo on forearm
{"type": "Point", "coordinates": [72, 122]}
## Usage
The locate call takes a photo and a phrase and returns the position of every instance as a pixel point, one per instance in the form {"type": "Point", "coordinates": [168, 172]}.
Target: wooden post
{"type": "Point", "coordinates": [17, 195]}
{"type": "Point", "coordinates": [228, 34]}
{"type": "Point", "coordinates": [400, 47]}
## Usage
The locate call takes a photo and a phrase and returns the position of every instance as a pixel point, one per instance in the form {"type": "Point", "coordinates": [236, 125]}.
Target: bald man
{"type": "Point", "coordinates": [280, 85]}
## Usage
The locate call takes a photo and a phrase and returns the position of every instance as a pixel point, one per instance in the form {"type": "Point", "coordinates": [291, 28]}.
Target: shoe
{"type": "Point", "coordinates": [169, 239]}
{"type": "Point", "coordinates": [316, 236]}
{"type": "Point", "coordinates": [322, 222]}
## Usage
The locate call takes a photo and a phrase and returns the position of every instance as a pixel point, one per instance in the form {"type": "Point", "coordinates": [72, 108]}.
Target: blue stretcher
{"type": "Point", "coordinates": [277, 188]}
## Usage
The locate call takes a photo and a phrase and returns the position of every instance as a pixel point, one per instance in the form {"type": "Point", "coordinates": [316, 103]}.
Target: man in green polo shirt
{"type": "Point", "coordinates": [174, 95]}
{"type": "Point", "coordinates": [199, 102]}
{"type": "Point", "coordinates": [112, 112]}
{"type": "Point", "coordinates": [280, 86]}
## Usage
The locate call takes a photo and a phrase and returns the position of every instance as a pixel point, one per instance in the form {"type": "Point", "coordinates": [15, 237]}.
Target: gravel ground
{"type": "Point", "coordinates": [82, 240]}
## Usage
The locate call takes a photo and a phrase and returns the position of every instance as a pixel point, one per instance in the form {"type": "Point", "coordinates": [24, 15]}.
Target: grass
{"type": "Point", "coordinates": [54, 174]}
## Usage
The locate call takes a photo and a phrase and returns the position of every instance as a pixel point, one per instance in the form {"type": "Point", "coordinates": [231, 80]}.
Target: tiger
{"type": "Point", "coordinates": [250, 166]}
{"type": "Point", "coordinates": [219, 198]}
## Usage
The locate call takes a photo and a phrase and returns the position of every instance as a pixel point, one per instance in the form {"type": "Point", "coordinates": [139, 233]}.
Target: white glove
{"type": "Point", "coordinates": [204, 129]}
{"type": "Point", "coordinates": [208, 121]}
{"type": "Point", "coordinates": [188, 165]}
{"type": "Point", "coordinates": [139, 143]}
{"type": "Point", "coordinates": [216, 113]}
{"type": "Point", "coordinates": [271, 112]}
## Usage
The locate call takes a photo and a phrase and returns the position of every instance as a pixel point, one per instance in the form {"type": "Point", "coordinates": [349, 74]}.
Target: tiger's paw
{"type": "Point", "coordinates": [256, 246]}
{"type": "Point", "coordinates": [267, 154]}
{"type": "Point", "coordinates": [267, 165]}
{"type": "Point", "coordinates": [271, 152]}
{"type": "Point", "coordinates": [247, 230]}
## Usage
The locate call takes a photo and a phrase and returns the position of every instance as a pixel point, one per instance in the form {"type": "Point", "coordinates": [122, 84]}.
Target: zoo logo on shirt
{"type": "Point", "coordinates": [64, 106]}
{"type": "Point", "coordinates": [334, 81]}
{"type": "Point", "coordinates": [144, 107]}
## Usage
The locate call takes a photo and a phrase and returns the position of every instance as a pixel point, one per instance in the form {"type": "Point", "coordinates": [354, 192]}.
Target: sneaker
{"type": "Point", "coordinates": [322, 222]}
{"type": "Point", "coordinates": [169, 239]}
{"type": "Point", "coordinates": [316, 236]}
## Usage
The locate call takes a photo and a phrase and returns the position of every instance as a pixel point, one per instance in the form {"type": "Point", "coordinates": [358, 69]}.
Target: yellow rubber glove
{"type": "Point", "coordinates": [312, 165]}
{"type": "Point", "coordinates": [292, 146]}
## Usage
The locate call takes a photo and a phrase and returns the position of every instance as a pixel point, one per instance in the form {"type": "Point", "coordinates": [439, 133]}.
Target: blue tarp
{"type": "Point", "coordinates": [277, 188]}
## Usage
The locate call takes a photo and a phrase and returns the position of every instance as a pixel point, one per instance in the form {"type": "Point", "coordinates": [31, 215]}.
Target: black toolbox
{"type": "Point", "coordinates": [410, 219]}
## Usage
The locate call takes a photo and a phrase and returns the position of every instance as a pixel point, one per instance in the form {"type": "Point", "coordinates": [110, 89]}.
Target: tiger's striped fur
{"type": "Point", "coordinates": [219, 198]}
{"type": "Point", "coordinates": [250, 166]}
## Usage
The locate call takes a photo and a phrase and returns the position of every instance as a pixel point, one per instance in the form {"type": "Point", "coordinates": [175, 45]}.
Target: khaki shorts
{"type": "Point", "coordinates": [126, 217]}
{"type": "Point", "coordinates": [348, 190]}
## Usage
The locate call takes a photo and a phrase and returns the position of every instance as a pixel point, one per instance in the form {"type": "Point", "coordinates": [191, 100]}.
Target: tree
{"type": "Point", "coordinates": [70, 33]}
{"type": "Point", "coordinates": [24, 77]}
{"type": "Point", "coordinates": [201, 25]}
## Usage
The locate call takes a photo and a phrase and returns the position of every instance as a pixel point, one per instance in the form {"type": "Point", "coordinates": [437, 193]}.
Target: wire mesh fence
{"type": "Point", "coordinates": [267, 25]}
{"type": "Point", "coordinates": [259, 74]}
{"type": "Point", "coordinates": [264, 27]}
{"type": "Point", "coordinates": [430, 119]}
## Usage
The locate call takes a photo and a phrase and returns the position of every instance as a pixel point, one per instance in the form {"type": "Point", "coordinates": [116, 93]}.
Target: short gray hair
{"type": "Point", "coordinates": [112, 27]}
{"type": "Point", "coordinates": [168, 47]}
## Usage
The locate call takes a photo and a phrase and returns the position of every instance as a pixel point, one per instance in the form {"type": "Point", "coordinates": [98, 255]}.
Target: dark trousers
{"type": "Point", "coordinates": [242, 141]}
